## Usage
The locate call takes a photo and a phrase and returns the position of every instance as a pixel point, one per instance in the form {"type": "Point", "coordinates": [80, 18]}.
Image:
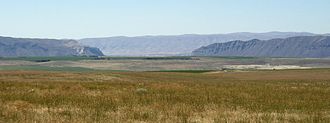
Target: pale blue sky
{"type": "Point", "coordinates": [103, 18]}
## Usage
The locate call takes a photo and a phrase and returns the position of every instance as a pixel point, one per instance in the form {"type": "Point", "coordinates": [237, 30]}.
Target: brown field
{"type": "Point", "coordinates": [241, 96]}
{"type": "Point", "coordinates": [195, 63]}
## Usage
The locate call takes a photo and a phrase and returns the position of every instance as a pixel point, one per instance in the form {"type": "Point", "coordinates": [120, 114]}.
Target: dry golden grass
{"type": "Point", "coordinates": [255, 96]}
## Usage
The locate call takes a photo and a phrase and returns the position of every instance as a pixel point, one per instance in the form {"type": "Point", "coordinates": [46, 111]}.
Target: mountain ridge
{"type": "Point", "coordinates": [18, 47]}
{"type": "Point", "coordinates": [300, 46]}
{"type": "Point", "coordinates": [174, 44]}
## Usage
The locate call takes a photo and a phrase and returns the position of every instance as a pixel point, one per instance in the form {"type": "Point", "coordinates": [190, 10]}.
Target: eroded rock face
{"type": "Point", "coordinates": [301, 46]}
{"type": "Point", "coordinates": [173, 45]}
{"type": "Point", "coordinates": [13, 47]}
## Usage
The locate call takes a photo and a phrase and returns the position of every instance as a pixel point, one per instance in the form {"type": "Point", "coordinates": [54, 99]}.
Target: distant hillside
{"type": "Point", "coordinates": [302, 46]}
{"type": "Point", "coordinates": [13, 47]}
{"type": "Point", "coordinates": [173, 45]}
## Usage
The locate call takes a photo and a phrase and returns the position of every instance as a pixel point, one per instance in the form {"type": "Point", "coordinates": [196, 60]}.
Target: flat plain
{"type": "Point", "coordinates": [187, 96]}
{"type": "Point", "coordinates": [154, 63]}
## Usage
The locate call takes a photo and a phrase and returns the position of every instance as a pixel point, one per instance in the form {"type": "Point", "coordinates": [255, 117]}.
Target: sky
{"type": "Point", "coordinates": [77, 19]}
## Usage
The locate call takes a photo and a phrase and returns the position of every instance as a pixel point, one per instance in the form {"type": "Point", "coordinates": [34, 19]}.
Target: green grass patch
{"type": "Point", "coordinates": [232, 57]}
{"type": "Point", "coordinates": [186, 71]}
{"type": "Point", "coordinates": [148, 58]}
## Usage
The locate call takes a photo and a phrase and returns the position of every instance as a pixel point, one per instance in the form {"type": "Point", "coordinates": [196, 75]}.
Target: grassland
{"type": "Point", "coordinates": [179, 63]}
{"type": "Point", "coordinates": [44, 68]}
{"type": "Point", "coordinates": [207, 96]}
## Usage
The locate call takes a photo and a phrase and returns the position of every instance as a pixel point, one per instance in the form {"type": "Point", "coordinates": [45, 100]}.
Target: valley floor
{"type": "Point", "coordinates": [186, 96]}
{"type": "Point", "coordinates": [159, 63]}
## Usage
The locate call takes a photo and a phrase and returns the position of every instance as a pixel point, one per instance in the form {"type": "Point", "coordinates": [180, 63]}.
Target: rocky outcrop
{"type": "Point", "coordinates": [14, 47]}
{"type": "Point", "coordinates": [173, 45]}
{"type": "Point", "coordinates": [301, 46]}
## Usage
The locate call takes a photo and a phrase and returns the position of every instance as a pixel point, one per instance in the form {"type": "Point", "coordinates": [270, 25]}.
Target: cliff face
{"type": "Point", "coordinates": [302, 46]}
{"type": "Point", "coordinates": [173, 45]}
{"type": "Point", "coordinates": [13, 47]}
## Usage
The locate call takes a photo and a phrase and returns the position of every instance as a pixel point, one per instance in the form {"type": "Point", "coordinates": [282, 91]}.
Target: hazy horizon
{"type": "Point", "coordinates": [77, 19]}
{"type": "Point", "coordinates": [158, 35]}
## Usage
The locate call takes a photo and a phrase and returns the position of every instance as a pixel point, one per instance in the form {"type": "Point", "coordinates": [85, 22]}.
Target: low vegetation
{"type": "Point", "coordinates": [44, 68]}
{"type": "Point", "coordinates": [170, 63]}
{"type": "Point", "coordinates": [148, 58]}
{"type": "Point", "coordinates": [247, 96]}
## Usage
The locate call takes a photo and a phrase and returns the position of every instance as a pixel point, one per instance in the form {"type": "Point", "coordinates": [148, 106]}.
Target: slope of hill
{"type": "Point", "coordinates": [301, 46]}
{"type": "Point", "coordinates": [173, 45]}
{"type": "Point", "coordinates": [13, 47]}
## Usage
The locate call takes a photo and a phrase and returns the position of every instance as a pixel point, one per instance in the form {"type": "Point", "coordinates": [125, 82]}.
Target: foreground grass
{"type": "Point", "coordinates": [258, 96]}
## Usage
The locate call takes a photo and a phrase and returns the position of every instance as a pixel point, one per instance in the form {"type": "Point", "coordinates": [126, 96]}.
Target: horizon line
{"type": "Point", "coordinates": [150, 35]}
